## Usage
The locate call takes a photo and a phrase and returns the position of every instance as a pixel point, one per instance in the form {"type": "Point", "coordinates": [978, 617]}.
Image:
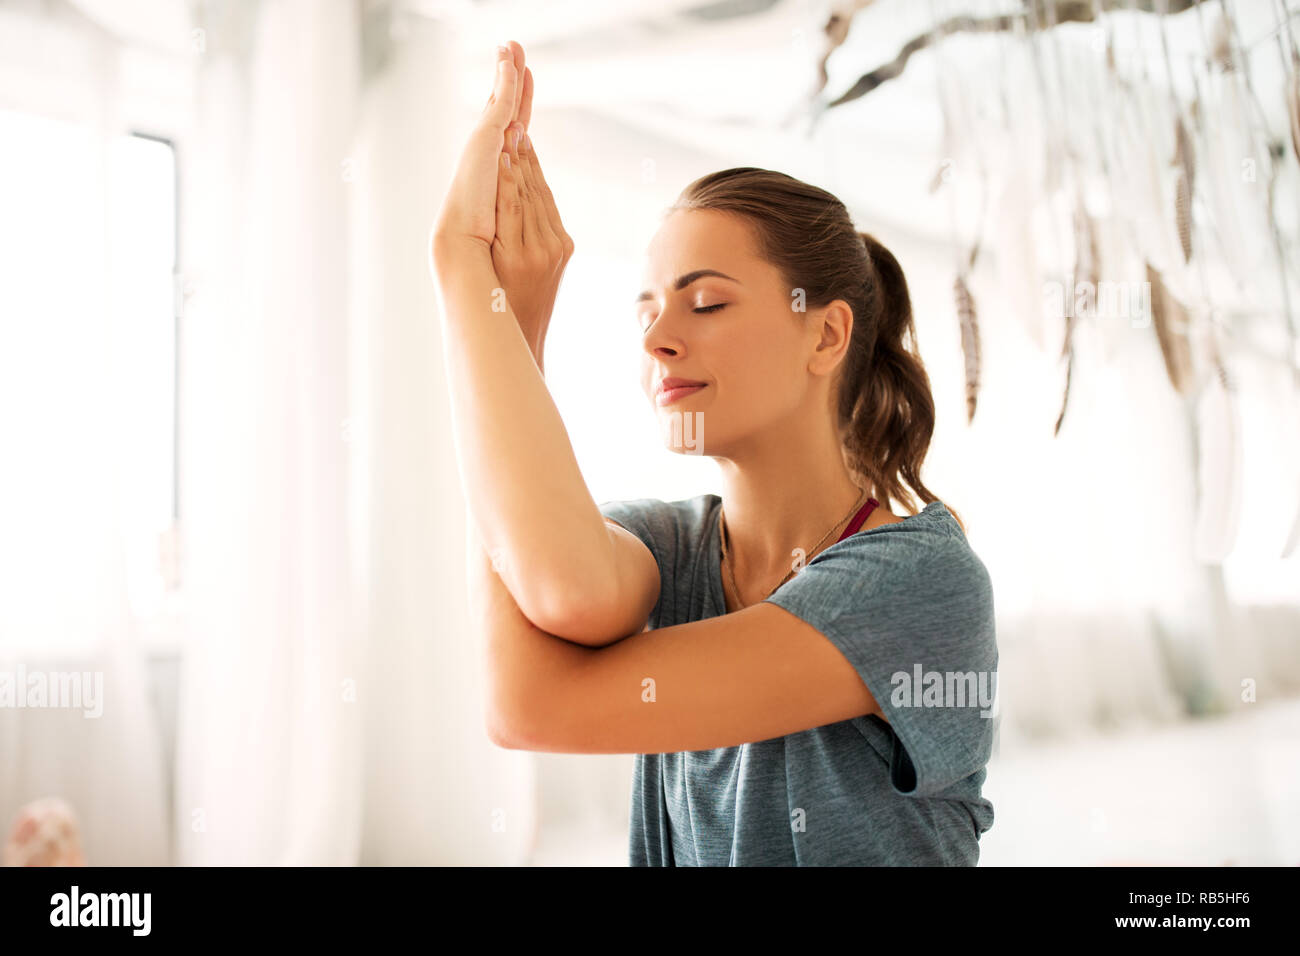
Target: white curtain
{"type": "Point", "coordinates": [268, 750]}
{"type": "Point", "coordinates": [321, 499]}
{"type": "Point", "coordinates": [65, 611]}
{"type": "Point", "coordinates": [437, 791]}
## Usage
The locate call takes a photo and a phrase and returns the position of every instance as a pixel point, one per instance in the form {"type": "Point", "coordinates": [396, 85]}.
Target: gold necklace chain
{"type": "Point", "coordinates": [722, 535]}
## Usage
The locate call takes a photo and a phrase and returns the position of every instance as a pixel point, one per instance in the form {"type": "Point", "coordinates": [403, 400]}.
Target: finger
{"type": "Point", "coordinates": [513, 134]}
{"type": "Point", "coordinates": [517, 55]}
{"type": "Point", "coordinates": [510, 217]}
{"type": "Point", "coordinates": [534, 215]}
{"type": "Point", "coordinates": [537, 225]}
{"type": "Point", "coordinates": [525, 114]}
{"type": "Point", "coordinates": [539, 188]}
{"type": "Point", "coordinates": [500, 109]}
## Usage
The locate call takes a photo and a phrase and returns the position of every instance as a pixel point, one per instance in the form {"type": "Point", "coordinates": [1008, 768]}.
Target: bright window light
{"type": "Point", "coordinates": [87, 379]}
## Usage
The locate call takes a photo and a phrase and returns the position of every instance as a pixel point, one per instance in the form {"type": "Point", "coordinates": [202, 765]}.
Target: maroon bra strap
{"type": "Point", "coordinates": [858, 519]}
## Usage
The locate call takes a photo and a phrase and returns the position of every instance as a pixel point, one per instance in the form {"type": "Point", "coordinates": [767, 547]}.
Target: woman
{"type": "Point", "coordinates": [820, 710]}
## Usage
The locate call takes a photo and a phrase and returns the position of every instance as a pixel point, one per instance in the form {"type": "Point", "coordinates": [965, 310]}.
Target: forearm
{"type": "Point", "coordinates": [523, 663]}
{"type": "Point", "coordinates": [525, 492]}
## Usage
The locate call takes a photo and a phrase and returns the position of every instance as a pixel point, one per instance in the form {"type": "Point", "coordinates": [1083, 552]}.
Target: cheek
{"type": "Point", "coordinates": [759, 367]}
{"type": "Point", "coordinates": [645, 369]}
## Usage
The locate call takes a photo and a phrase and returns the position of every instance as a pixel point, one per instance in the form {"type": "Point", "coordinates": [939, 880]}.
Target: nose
{"type": "Point", "coordinates": [663, 336]}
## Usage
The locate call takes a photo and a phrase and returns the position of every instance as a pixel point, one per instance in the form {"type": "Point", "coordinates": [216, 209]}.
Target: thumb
{"type": "Point", "coordinates": [500, 108]}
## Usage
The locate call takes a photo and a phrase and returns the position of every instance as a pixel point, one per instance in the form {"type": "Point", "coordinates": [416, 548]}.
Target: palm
{"type": "Point", "coordinates": [469, 209]}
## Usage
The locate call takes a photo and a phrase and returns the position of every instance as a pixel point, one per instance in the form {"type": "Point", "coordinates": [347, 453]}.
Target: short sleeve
{"type": "Point", "coordinates": [647, 519]}
{"type": "Point", "coordinates": [912, 610]}
{"type": "Point", "coordinates": [652, 521]}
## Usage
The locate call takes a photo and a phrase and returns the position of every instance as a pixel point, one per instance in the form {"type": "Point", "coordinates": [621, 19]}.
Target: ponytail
{"type": "Point", "coordinates": [885, 402]}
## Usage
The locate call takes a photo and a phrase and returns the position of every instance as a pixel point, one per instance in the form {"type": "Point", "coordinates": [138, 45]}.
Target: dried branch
{"type": "Point", "coordinates": [1064, 11]}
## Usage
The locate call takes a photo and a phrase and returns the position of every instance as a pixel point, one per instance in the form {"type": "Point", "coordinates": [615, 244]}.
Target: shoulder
{"type": "Point", "coordinates": [668, 522]}
{"type": "Point", "coordinates": [929, 537]}
{"type": "Point", "coordinates": [921, 569]}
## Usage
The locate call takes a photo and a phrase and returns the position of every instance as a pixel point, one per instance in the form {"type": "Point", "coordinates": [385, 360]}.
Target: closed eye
{"type": "Point", "coordinates": [712, 308]}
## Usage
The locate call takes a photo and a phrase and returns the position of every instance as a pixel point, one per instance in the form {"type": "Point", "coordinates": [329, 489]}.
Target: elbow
{"type": "Point", "coordinates": [513, 719]}
{"type": "Point", "coordinates": [509, 732]}
{"type": "Point", "coordinates": [499, 724]}
{"type": "Point", "coordinates": [579, 621]}
{"type": "Point", "coordinates": [591, 616]}
{"type": "Point", "coordinates": [557, 610]}
{"type": "Point", "coordinates": [498, 732]}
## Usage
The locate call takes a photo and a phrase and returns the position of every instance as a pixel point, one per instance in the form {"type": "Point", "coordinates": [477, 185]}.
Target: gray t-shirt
{"type": "Point", "coordinates": [899, 601]}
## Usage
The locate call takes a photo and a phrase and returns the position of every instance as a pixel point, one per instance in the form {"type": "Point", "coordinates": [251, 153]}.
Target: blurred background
{"type": "Point", "coordinates": [232, 616]}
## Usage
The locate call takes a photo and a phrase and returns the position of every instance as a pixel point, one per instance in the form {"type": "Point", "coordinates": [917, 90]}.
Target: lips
{"type": "Point", "coordinates": [674, 382]}
{"type": "Point", "coordinates": [672, 389]}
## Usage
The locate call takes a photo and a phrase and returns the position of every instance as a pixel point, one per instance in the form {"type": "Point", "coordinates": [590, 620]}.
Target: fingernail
{"type": "Point", "coordinates": [527, 143]}
{"type": "Point", "coordinates": [507, 159]}
{"type": "Point", "coordinates": [503, 51]}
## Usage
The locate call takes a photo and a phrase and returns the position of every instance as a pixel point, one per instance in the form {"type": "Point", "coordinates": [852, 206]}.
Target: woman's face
{"type": "Point", "coordinates": [751, 349]}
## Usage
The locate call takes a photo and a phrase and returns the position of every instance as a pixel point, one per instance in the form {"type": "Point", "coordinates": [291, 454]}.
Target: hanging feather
{"type": "Point", "coordinates": [1221, 44]}
{"type": "Point", "coordinates": [1140, 166]}
{"type": "Point", "coordinates": [1185, 160]}
{"type": "Point", "coordinates": [835, 31]}
{"type": "Point", "coordinates": [1219, 461]}
{"type": "Point", "coordinates": [1170, 321]}
{"type": "Point", "coordinates": [1065, 400]}
{"type": "Point", "coordinates": [1236, 221]}
{"type": "Point", "coordinates": [970, 342]}
{"type": "Point", "coordinates": [1184, 155]}
{"type": "Point", "coordinates": [1086, 270]}
{"type": "Point", "coordinates": [1293, 103]}
{"type": "Point", "coordinates": [1183, 214]}
{"type": "Point", "coordinates": [938, 179]}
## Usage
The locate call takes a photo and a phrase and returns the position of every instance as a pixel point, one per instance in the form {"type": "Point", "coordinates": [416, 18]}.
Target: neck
{"type": "Point", "coordinates": [784, 494]}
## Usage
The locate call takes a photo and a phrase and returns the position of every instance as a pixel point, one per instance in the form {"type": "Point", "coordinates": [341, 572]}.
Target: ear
{"type": "Point", "coordinates": [834, 324]}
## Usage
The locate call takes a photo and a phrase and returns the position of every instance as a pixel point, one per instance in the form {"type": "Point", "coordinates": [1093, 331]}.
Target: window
{"type": "Point", "coordinates": [88, 486]}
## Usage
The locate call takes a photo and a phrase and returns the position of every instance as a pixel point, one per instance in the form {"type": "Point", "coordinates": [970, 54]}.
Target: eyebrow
{"type": "Point", "coordinates": [685, 280]}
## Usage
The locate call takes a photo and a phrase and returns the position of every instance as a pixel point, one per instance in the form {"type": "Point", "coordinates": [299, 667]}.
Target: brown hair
{"type": "Point", "coordinates": [885, 409]}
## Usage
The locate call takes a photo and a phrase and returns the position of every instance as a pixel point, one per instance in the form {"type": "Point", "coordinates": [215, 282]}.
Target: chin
{"type": "Point", "coordinates": [682, 430]}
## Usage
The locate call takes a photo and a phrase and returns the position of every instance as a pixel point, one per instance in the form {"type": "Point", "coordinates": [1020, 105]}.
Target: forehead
{"type": "Point", "coordinates": [690, 239]}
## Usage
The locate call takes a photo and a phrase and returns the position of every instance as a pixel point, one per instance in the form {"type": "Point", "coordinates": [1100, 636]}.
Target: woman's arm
{"type": "Point", "coordinates": [519, 657]}
{"type": "Point", "coordinates": [522, 483]}
{"type": "Point", "coordinates": [523, 487]}
{"type": "Point", "coordinates": [753, 674]}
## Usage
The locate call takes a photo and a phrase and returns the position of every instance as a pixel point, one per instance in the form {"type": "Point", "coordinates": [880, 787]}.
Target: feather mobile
{"type": "Point", "coordinates": [1184, 150]}
{"type": "Point", "coordinates": [1069, 375]}
{"type": "Point", "coordinates": [1028, 19]}
{"type": "Point", "coordinates": [1184, 159]}
{"type": "Point", "coordinates": [1171, 325]}
{"type": "Point", "coordinates": [1086, 270]}
{"type": "Point", "coordinates": [1183, 214]}
{"type": "Point", "coordinates": [1236, 221]}
{"type": "Point", "coordinates": [1293, 103]}
{"type": "Point", "coordinates": [970, 342]}
{"type": "Point", "coordinates": [939, 178]}
{"type": "Point", "coordinates": [1221, 44]}
{"type": "Point", "coordinates": [835, 31]}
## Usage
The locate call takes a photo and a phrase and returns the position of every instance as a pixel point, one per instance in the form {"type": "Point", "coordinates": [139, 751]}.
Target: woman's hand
{"type": "Point", "coordinates": [469, 214]}
{"type": "Point", "coordinates": [518, 225]}
{"type": "Point", "coordinates": [531, 248]}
